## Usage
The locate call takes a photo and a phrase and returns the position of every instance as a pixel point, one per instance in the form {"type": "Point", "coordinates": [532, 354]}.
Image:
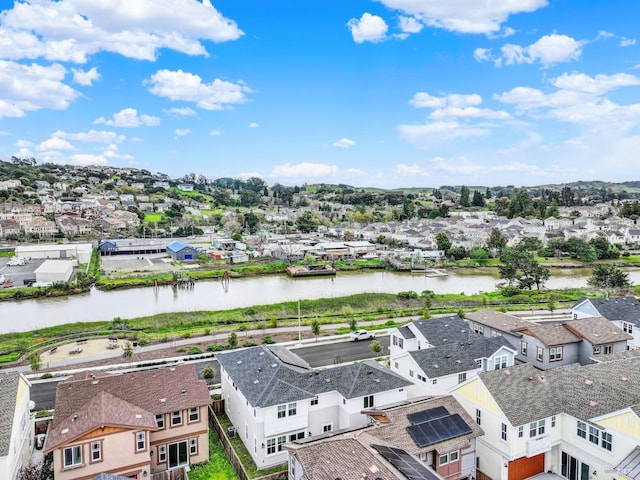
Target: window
{"type": "Point", "coordinates": [282, 411]}
{"type": "Point", "coordinates": [411, 373]}
{"type": "Point", "coordinates": [194, 414]}
{"type": "Point", "coordinates": [500, 362]}
{"type": "Point", "coordinates": [394, 340]}
{"type": "Point", "coordinates": [606, 441]}
{"type": "Point", "coordinates": [96, 451]}
{"type": "Point", "coordinates": [495, 333]}
{"type": "Point", "coordinates": [533, 429]}
{"type": "Point", "coordinates": [443, 460]}
{"type": "Point", "coordinates": [627, 327]}
{"type": "Point", "coordinates": [160, 420]}
{"type": "Point", "coordinates": [292, 409]}
{"type": "Point", "coordinates": [368, 401]}
{"type": "Point", "coordinates": [596, 350]}
{"type": "Point", "coordinates": [553, 421]}
{"type": "Point", "coordinates": [140, 441]}
{"type": "Point", "coordinates": [314, 401]}
{"type": "Point", "coordinates": [523, 347]}
{"type": "Point", "coordinates": [478, 328]}
{"type": "Point", "coordinates": [555, 354]}
{"type": "Point", "coordinates": [520, 431]}
{"type": "Point", "coordinates": [396, 365]}
{"type": "Point", "coordinates": [503, 432]}
{"type": "Point", "coordinates": [539, 354]}
{"type": "Point", "coordinates": [271, 446]}
{"type": "Point", "coordinates": [541, 427]}
{"type": "Point", "coordinates": [400, 342]}
{"type": "Point", "coordinates": [193, 446]}
{"type": "Point", "coordinates": [327, 428]}
{"type": "Point", "coordinates": [479, 363]}
{"type": "Point", "coordinates": [176, 418]}
{"type": "Point", "coordinates": [608, 349]}
{"type": "Point", "coordinates": [73, 456]}
{"type": "Point", "coordinates": [433, 381]}
{"type": "Point", "coordinates": [478, 416]}
{"type": "Point", "coordinates": [162, 453]}
{"type": "Point", "coordinates": [453, 456]}
{"type": "Point", "coordinates": [582, 429]}
{"type": "Point", "coordinates": [296, 436]}
{"type": "Point", "coordinates": [420, 377]}
{"type": "Point", "coordinates": [462, 377]}
{"type": "Point", "coordinates": [594, 435]}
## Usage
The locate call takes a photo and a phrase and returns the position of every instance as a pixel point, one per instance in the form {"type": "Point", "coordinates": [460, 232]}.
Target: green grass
{"type": "Point", "coordinates": [152, 217]}
{"type": "Point", "coordinates": [9, 253]}
{"type": "Point", "coordinates": [218, 467]}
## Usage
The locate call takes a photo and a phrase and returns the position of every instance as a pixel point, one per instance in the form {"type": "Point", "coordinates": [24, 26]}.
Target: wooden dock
{"type": "Point", "coordinates": [311, 270]}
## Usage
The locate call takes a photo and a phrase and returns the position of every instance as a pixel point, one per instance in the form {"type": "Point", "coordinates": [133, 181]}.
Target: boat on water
{"type": "Point", "coordinates": [311, 270]}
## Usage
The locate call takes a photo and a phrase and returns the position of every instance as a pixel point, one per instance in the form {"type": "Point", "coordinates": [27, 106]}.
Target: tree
{"type": "Point", "coordinates": [464, 196]}
{"type": "Point", "coordinates": [609, 276]}
{"type": "Point", "coordinates": [520, 267]}
{"type": "Point", "coordinates": [209, 373]}
{"type": "Point", "coordinates": [479, 254]}
{"type": "Point", "coordinates": [375, 346]}
{"type": "Point", "coordinates": [315, 328]}
{"type": "Point", "coordinates": [127, 351]}
{"type": "Point", "coordinates": [34, 471]}
{"type": "Point", "coordinates": [530, 244]}
{"type": "Point", "coordinates": [306, 222]}
{"type": "Point", "coordinates": [478, 199]}
{"type": "Point", "coordinates": [353, 324]}
{"type": "Point", "coordinates": [232, 340]}
{"type": "Point", "coordinates": [496, 240]}
{"type": "Point", "coordinates": [35, 362]}
{"type": "Point", "coordinates": [442, 242]}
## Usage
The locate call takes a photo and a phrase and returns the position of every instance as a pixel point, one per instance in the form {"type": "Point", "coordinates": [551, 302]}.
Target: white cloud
{"type": "Point", "coordinates": [482, 54]}
{"type": "Point", "coordinates": [598, 85]}
{"type": "Point", "coordinates": [84, 159]}
{"type": "Point", "coordinates": [458, 166]}
{"type": "Point", "coordinates": [85, 78]}
{"type": "Point", "coordinates": [604, 34]}
{"type": "Point", "coordinates": [424, 100]}
{"type": "Point", "coordinates": [112, 152]}
{"type": "Point", "coordinates": [304, 170]}
{"type": "Point", "coordinates": [188, 87]}
{"type": "Point", "coordinates": [344, 143]}
{"type": "Point", "coordinates": [254, 125]}
{"type": "Point", "coordinates": [180, 112]}
{"type": "Point", "coordinates": [129, 118]}
{"type": "Point", "coordinates": [469, 112]}
{"type": "Point", "coordinates": [627, 42]}
{"type": "Point", "coordinates": [465, 16]}
{"type": "Point", "coordinates": [39, 87]}
{"type": "Point", "coordinates": [24, 143]}
{"type": "Point", "coordinates": [215, 133]}
{"type": "Point", "coordinates": [54, 143]}
{"type": "Point", "coordinates": [548, 50]}
{"type": "Point", "coordinates": [95, 136]}
{"type": "Point", "coordinates": [356, 172]}
{"type": "Point", "coordinates": [23, 152]}
{"type": "Point", "coordinates": [72, 30]}
{"type": "Point", "coordinates": [413, 170]}
{"type": "Point", "coordinates": [436, 133]}
{"type": "Point", "coordinates": [181, 132]}
{"type": "Point", "coordinates": [369, 28]}
{"type": "Point", "coordinates": [409, 24]}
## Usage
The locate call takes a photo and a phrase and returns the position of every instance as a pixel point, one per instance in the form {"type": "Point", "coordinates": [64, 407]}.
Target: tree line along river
{"type": "Point", "coordinates": [96, 305]}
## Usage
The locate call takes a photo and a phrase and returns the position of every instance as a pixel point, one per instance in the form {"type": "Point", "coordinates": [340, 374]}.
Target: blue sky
{"type": "Point", "coordinates": [385, 93]}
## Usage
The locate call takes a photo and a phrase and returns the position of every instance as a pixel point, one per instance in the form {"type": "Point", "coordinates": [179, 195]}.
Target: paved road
{"type": "Point", "coordinates": [43, 393]}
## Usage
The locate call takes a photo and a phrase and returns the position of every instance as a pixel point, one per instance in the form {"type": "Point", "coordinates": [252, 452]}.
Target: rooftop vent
{"type": "Point", "coordinates": [274, 365]}
{"type": "Point", "coordinates": [507, 372]}
{"type": "Point", "coordinates": [163, 400]}
{"type": "Point", "coordinates": [261, 353]}
{"type": "Point", "coordinates": [256, 381]}
{"type": "Point", "coordinates": [624, 379]}
{"type": "Point", "coordinates": [531, 379]}
{"type": "Point", "coordinates": [173, 369]}
{"type": "Point", "coordinates": [588, 382]}
{"type": "Point", "coordinates": [593, 403]}
{"type": "Point", "coordinates": [138, 415]}
{"type": "Point", "coordinates": [183, 391]}
{"type": "Point", "coordinates": [327, 380]}
{"type": "Point", "coordinates": [64, 430]}
{"type": "Point", "coordinates": [458, 361]}
{"type": "Point", "coordinates": [435, 365]}
{"type": "Point", "coordinates": [239, 362]}
{"type": "Point", "coordinates": [377, 380]}
{"type": "Point", "coordinates": [94, 382]}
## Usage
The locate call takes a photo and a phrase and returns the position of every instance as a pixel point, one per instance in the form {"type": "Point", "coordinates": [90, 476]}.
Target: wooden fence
{"type": "Point", "coordinates": [175, 474]}
{"type": "Point", "coordinates": [218, 406]}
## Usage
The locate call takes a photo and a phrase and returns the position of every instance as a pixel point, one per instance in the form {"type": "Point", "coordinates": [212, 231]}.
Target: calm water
{"type": "Point", "coordinates": [100, 305]}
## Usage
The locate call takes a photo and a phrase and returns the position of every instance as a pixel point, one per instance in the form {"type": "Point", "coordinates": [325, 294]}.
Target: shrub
{"type": "Point", "coordinates": [268, 340]}
{"type": "Point", "coordinates": [206, 331]}
{"type": "Point", "coordinates": [44, 376]}
{"type": "Point", "coordinates": [409, 295]}
{"type": "Point", "coordinates": [208, 372]}
{"type": "Point", "coordinates": [194, 351]}
{"type": "Point", "coordinates": [249, 344]}
{"type": "Point", "coordinates": [214, 347]}
{"type": "Point", "coordinates": [186, 335]}
{"type": "Point", "coordinates": [510, 291]}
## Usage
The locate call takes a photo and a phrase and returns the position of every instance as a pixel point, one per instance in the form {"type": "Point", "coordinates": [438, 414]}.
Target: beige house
{"type": "Point", "coordinates": [134, 424]}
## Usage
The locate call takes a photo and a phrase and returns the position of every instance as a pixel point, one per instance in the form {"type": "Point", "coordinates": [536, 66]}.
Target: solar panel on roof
{"type": "Point", "coordinates": [438, 430]}
{"type": "Point", "coordinates": [410, 467]}
{"type": "Point", "coordinates": [427, 415]}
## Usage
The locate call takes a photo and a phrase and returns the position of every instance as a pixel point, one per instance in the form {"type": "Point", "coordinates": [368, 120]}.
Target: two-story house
{"type": "Point", "coordinates": [16, 424]}
{"type": "Point", "coordinates": [133, 424]}
{"type": "Point", "coordinates": [430, 439]}
{"type": "Point", "coordinates": [273, 397]}
{"type": "Point", "coordinates": [623, 312]}
{"type": "Point", "coordinates": [552, 344]}
{"type": "Point", "coordinates": [579, 422]}
{"type": "Point", "coordinates": [439, 353]}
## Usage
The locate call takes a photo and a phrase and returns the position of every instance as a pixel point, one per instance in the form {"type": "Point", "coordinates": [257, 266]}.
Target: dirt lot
{"type": "Point", "coordinates": [122, 265]}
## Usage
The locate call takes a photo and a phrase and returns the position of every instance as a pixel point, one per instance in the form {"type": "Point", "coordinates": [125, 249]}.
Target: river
{"type": "Point", "coordinates": [97, 305]}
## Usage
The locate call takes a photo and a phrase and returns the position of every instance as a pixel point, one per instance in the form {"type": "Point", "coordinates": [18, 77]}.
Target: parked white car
{"type": "Point", "coordinates": [361, 335]}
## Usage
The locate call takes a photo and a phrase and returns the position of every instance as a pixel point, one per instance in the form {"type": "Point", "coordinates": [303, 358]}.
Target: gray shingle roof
{"type": "Point", "coordinates": [444, 330]}
{"type": "Point", "coordinates": [266, 381]}
{"type": "Point", "coordinates": [406, 332]}
{"type": "Point", "coordinates": [499, 321]}
{"type": "Point", "coordinates": [8, 396]}
{"type": "Point", "coordinates": [552, 334]}
{"type": "Point", "coordinates": [617, 308]}
{"type": "Point", "coordinates": [456, 358]}
{"type": "Point", "coordinates": [597, 330]}
{"type": "Point", "coordinates": [585, 392]}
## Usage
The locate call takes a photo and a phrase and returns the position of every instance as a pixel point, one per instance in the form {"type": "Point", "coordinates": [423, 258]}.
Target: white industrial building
{"type": "Point", "coordinates": [80, 252]}
{"type": "Point", "coordinates": [54, 271]}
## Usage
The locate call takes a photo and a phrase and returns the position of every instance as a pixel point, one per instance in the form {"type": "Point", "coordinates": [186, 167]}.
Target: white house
{"type": "Point", "coordinates": [624, 312]}
{"type": "Point", "coordinates": [437, 354]}
{"type": "Point", "coordinates": [273, 397]}
{"type": "Point", "coordinates": [576, 422]}
{"type": "Point", "coordinates": [16, 424]}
